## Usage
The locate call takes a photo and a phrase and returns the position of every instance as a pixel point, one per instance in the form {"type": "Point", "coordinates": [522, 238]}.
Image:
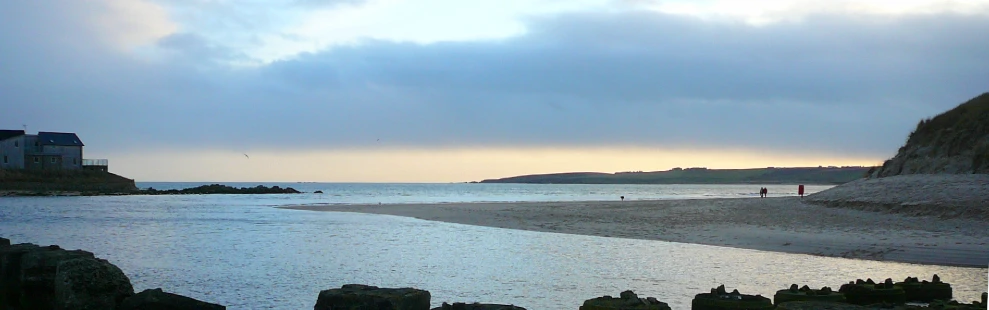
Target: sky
{"type": "Point", "coordinates": [455, 91]}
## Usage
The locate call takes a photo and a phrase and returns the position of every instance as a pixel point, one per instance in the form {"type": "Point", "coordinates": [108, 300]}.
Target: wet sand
{"type": "Point", "coordinates": [784, 224]}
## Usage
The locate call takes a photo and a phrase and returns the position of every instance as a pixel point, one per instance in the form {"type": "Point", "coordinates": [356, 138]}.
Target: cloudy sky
{"type": "Point", "coordinates": [454, 90]}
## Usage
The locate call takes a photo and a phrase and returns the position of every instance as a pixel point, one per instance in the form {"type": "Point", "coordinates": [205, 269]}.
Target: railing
{"type": "Point", "coordinates": [95, 162]}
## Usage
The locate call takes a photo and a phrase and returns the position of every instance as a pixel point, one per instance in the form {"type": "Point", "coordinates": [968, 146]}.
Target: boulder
{"type": "Point", "coordinates": [924, 291]}
{"type": "Point", "coordinates": [38, 271]}
{"type": "Point", "coordinates": [867, 294]}
{"type": "Point", "coordinates": [365, 297]}
{"type": "Point", "coordinates": [627, 301]}
{"type": "Point", "coordinates": [157, 299]}
{"type": "Point", "coordinates": [825, 294]}
{"type": "Point", "coordinates": [817, 305]}
{"type": "Point", "coordinates": [90, 283]}
{"type": "Point", "coordinates": [476, 306]}
{"type": "Point", "coordinates": [719, 300]}
{"type": "Point", "coordinates": [10, 273]}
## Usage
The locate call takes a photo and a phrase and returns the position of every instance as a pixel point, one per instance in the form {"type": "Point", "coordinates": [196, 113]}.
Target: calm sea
{"type": "Point", "coordinates": [239, 251]}
{"type": "Point", "coordinates": [373, 193]}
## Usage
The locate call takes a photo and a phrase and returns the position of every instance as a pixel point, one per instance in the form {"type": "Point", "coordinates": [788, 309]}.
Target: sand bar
{"type": "Point", "coordinates": [785, 224]}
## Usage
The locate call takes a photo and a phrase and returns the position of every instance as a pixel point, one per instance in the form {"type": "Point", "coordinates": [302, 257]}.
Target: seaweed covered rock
{"type": "Point", "coordinates": [868, 292]}
{"type": "Point", "coordinates": [476, 306]}
{"type": "Point", "coordinates": [357, 296]}
{"type": "Point", "coordinates": [90, 283]}
{"type": "Point", "coordinates": [818, 305]}
{"type": "Point", "coordinates": [805, 293]}
{"type": "Point", "coordinates": [160, 300]}
{"type": "Point", "coordinates": [719, 299]}
{"type": "Point", "coordinates": [627, 301]}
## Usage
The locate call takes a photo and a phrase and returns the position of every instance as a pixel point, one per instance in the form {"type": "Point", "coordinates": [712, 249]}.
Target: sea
{"type": "Point", "coordinates": [242, 252]}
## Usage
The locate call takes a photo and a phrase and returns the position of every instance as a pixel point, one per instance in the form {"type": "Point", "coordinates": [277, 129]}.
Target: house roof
{"type": "Point", "coordinates": [59, 138]}
{"type": "Point", "coordinates": [7, 134]}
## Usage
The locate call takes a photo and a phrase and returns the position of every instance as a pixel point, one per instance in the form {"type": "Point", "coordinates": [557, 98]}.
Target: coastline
{"type": "Point", "coordinates": [783, 224]}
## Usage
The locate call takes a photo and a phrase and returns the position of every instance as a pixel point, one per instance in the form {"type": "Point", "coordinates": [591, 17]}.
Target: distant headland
{"type": "Point", "coordinates": [769, 175]}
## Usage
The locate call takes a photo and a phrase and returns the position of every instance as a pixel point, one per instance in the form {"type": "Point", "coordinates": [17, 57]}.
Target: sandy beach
{"type": "Point", "coordinates": [785, 224]}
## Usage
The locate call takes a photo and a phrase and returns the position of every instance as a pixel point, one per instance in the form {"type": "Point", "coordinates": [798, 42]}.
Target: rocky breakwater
{"type": "Point", "coordinates": [49, 277]}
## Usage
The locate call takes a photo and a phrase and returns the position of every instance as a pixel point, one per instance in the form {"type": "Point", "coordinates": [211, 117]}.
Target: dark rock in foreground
{"type": "Point", "coordinates": [43, 278]}
{"type": "Point", "coordinates": [627, 301]}
{"type": "Point", "coordinates": [720, 299]}
{"type": "Point", "coordinates": [817, 305]}
{"type": "Point", "coordinates": [156, 299]}
{"type": "Point", "coordinates": [34, 277]}
{"type": "Point", "coordinates": [365, 297]}
{"type": "Point", "coordinates": [222, 189]}
{"type": "Point", "coordinates": [90, 283]}
{"type": "Point", "coordinates": [805, 293]}
{"type": "Point", "coordinates": [476, 306]}
{"type": "Point", "coordinates": [923, 291]}
{"type": "Point", "coordinates": [868, 292]}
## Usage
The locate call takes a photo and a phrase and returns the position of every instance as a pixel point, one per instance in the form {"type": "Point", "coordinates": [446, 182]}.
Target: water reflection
{"type": "Point", "coordinates": [249, 256]}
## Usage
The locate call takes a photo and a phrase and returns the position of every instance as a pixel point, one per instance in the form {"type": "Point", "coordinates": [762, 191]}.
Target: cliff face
{"type": "Point", "coordinates": [954, 142]}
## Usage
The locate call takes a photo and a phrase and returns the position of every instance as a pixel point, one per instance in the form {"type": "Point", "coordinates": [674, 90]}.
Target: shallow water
{"type": "Point", "coordinates": [241, 252]}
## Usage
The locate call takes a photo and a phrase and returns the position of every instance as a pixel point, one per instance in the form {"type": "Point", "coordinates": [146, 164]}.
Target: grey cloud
{"type": "Point", "coordinates": [194, 48]}
{"type": "Point", "coordinates": [846, 85]}
{"type": "Point", "coordinates": [324, 3]}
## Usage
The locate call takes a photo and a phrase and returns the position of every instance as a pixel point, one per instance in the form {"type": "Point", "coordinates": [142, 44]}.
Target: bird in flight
{"type": "Point", "coordinates": [248, 157]}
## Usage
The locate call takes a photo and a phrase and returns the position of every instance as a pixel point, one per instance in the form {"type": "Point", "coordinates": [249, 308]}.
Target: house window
{"type": "Point", "coordinates": [37, 159]}
{"type": "Point", "coordinates": [5, 159]}
{"type": "Point", "coordinates": [15, 144]}
{"type": "Point", "coordinates": [53, 160]}
{"type": "Point", "coordinates": [73, 161]}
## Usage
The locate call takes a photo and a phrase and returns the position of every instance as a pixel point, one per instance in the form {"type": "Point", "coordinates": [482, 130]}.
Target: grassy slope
{"type": "Point", "coordinates": [958, 130]}
{"type": "Point", "coordinates": [698, 176]}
